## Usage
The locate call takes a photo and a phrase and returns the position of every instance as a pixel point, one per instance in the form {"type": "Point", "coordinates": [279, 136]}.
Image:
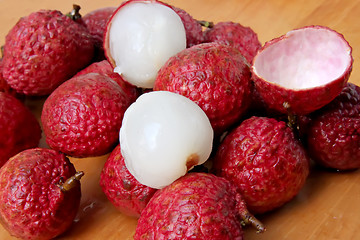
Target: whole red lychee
{"type": "Point", "coordinates": [122, 189]}
{"type": "Point", "coordinates": [39, 193]}
{"type": "Point", "coordinates": [43, 50]}
{"type": "Point", "coordinates": [193, 29]}
{"type": "Point", "coordinates": [213, 75]}
{"type": "Point", "coordinates": [196, 206]}
{"type": "Point", "coordinates": [333, 134]}
{"type": "Point", "coordinates": [236, 35]}
{"type": "Point", "coordinates": [104, 68]}
{"type": "Point", "coordinates": [18, 126]}
{"type": "Point", "coordinates": [96, 21]}
{"type": "Point", "coordinates": [82, 117]}
{"type": "Point", "coordinates": [265, 161]}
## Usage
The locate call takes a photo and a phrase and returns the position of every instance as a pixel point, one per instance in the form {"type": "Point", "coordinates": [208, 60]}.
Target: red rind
{"type": "Point", "coordinates": [299, 101]}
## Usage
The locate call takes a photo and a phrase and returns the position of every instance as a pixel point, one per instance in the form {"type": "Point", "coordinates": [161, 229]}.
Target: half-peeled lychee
{"type": "Point", "coordinates": [302, 70]}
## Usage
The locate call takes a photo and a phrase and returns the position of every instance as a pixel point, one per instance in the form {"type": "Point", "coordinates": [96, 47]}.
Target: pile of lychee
{"type": "Point", "coordinates": [206, 126]}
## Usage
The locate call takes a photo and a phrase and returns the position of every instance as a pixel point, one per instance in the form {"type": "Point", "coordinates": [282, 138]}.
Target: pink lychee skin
{"type": "Point", "coordinates": [236, 35]}
{"type": "Point", "coordinates": [82, 117]}
{"type": "Point", "coordinates": [33, 206]}
{"type": "Point", "coordinates": [43, 50]}
{"type": "Point", "coordinates": [96, 21]}
{"type": "Point", "coordinates": [193, 29]}
{"type": "Point", "coordinates": [104, 68]}
{"type": "Point", "coordinates": [334, 131]}
{"type": "Point", "coordinates": [127, 194]}
{"type": "Point", "coordinates": [265, 161]}
{"type": "Point", "coordinates": [19, 128]}
{"type": "Point", "coordinates": [196, 206]}
{"type": "Point", "coordinates": [299, 101]}
{"type": "Point", "coordinates": [213, 75]}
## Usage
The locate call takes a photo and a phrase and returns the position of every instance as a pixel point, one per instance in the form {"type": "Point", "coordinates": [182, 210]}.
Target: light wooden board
{"type": "Point", "coordinates": [328, 206]}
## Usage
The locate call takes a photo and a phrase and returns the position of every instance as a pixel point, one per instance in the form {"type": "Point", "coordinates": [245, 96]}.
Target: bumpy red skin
{"type": "Point", "coordinates": [96, 22]}
{"type": "Point", "coordinates": [196, 206]}
{"type": "Point", "coordinates": [214, 76]}
{"type": "Point", "coordinates": [265, 161]}
{"type": "Point", "coordinates": [334, 131]}
{"type": "Point", "coordinates": [82, 117]}
{"type": "Point", "coordinates": [43, 50]}
{"type": "Point", "coordinates": [236, 35]}
{"type": "Point", "coordinates": [104, 68]}
{"type": "Point", "coordinates": [122, 189]}
{"type": "Point", "coordinates": [18, 126]}
{"type": "Point", "coordinates": [303, 101]}
{"type": "Point", "coordinates": [33, 206]}
{"type": "Point", "coordinates": [193, 29]}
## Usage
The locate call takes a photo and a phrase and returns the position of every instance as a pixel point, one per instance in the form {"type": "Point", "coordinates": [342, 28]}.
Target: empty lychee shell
{"type": "Point", "coordinates": [140, 37]}
{"type": "Point", "coordinates": [302, 70]}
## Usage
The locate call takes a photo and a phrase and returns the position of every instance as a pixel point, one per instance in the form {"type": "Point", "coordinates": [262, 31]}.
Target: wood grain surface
{"type": "Point", "coordinates": [326, 208]}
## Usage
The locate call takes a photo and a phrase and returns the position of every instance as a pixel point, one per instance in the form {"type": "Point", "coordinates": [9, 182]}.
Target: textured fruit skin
{"type": "Point", "coordinates": [236, 35]}
{"type": "Point", "coordinates": [18, 126]}
{"type": "Point", "coordinates": [33, 206]}
{"type": "Point", "coordinates": [96, 21]}
{"type": "Point", "coordinates": [193, 29]}
{"type": "Point", "coordinates": [265, 161]}
{"type": "Point", "coordinates": [104, 68]}
{"type": "Point", "coordinates": [43, 50]}
{"type": "Point", "coordinates": [196, 206]}
{"type": "Point", "coordinates": [334, 131]}
{"type": "Point", "coordinates": [214, 76]}
{"type": "Point", "coordinates": [274, 96]}
{"type": "Point", "coordinates": [82, 117]}
{"type": "Point", "coordinates": [121, 188]}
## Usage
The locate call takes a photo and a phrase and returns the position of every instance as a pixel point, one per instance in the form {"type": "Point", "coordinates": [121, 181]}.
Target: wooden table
{"type": "Point", "coordinates": [327, 207]}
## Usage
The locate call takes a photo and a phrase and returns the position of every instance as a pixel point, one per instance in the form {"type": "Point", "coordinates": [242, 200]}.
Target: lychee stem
{"type": "Point", "coordinates": [71, 182]}
{"type": "Point", "coordinates": [206, 24]}
{"type": "Point", "coordinates": [292, 119]}
{"type": "Point", "coordinates": [75, 12]}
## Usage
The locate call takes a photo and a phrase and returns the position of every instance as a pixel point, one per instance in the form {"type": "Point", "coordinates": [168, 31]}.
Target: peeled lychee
{"type": "Point", "coordinates": [163, 135]}
{"type": "Point", "coordinates": [213, 75]}
{"type": "Point", "coordinates": [265, 161]}
{"type": "Point", "coordinates": [333, 134]}
{"type": "Point", "coordinates": [43, 50]}
{"type": "Point", "coordinates": [39, 194]}
{"type": "Point", "coordinates": [236, 35]}
{"type": "Point", "coordinates": [303, 70]}
{"type": "Point", "coordinates": [196, 206]}
{"type": "Point", "coordinates": [96, 21]}
{"type": "Point", "coordinates": [140, 37]}
{"type": "Point", "coordinates": [82, 117]}
{"type": "Point", "coordinates": [19, 128]}
{"type": "Point", "coordinates": [121, 188]}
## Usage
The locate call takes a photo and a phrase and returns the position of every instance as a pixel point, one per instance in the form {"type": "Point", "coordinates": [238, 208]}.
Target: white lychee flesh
{"type": "Point", "coordinates": [304, 58]}
{"type": "Point", "coordinates": [142, 36]}
{"type": "Point", "coordinates": [163, 135]}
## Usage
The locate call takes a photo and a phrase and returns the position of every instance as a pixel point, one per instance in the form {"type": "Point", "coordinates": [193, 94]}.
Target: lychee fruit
{"type": "Point", "coordinates": [213, 75]}
{"type": "Point", "coordinates": [19, 128]}
{"type": "Point", "coordinates": [234, 34]}
{"type": "Point", "coordinates": [303, 70]}
{"type": "Point", "coordinates": [164, 135]}
{"type": "Point", "coordinates": [140, 37]}
{"type": "Point", "coordinates": [40, 194]}
{"type": "Point", "coordinates": [43, 50]}
{"type": "Point", "coordinates": [82, 117]}
{"type": "Point", "coordinates": [333, 134]}
{"type": "Point", "coordinates": [265, 161]}
{"type": "Point", "coordinates": [196, 206]}
{"type": "Point", "coordinates": [104, 68]}
{"type": "Point", "coordinates": [96, 21]}
{"type": "Point", "coordinates": [193, 28]}
{"type": "Point", "coordinates": [121, 188]}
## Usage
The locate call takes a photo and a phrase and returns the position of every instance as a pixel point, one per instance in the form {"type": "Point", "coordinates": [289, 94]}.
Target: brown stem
{"type": "Point", "coordinates": [249, 219]}
{"type": "Point", "coordinates": [71, 182]}
{"type": "Point", "coordinates": [75, 12]}
{"type": "Point", "coordinates": [206, 24]}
